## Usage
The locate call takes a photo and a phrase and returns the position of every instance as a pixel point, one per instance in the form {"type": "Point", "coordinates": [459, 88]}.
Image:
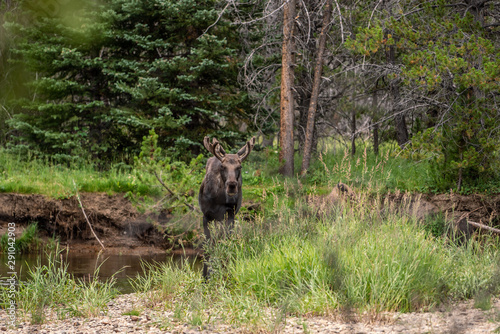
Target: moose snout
{"type": "Point", "coordinates": [232, 188]}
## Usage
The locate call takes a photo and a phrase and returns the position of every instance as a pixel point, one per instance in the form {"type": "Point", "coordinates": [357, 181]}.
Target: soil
{"type": "Point", "coordinates": [121, 227]}
{"type": "Point", "coordinates": [116, 222]}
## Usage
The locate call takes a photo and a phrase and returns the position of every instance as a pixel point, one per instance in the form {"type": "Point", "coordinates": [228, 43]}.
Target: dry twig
{"type": "Point", "coordinates": [85, 215]}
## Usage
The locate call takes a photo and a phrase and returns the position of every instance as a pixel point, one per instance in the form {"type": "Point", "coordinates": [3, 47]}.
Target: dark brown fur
{"type": "Point", "coordinates": [220, 192]}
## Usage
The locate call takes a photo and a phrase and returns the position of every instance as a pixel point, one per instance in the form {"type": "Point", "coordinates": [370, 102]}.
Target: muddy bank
{"type": "Point", "coordinates": [122, 228]}
{"type": "Point", "coordinates": [117, 223]}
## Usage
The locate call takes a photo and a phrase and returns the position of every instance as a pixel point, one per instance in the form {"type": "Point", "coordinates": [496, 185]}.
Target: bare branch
{"type": "Point", "coordinates": [484, 227]}
{"type": "Point", "coordinates": [85, 215]}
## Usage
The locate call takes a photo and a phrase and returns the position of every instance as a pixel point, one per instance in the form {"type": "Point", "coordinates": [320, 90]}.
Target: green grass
{"type": "Point", "coordinates": [27, 241]}
{"type": "Point", "coordinates": [132, 312]}
{"type": "Point", "coordinates": [52, 286]}
{"type": "Point", "coordinates": [34, 176]}
{"type": "Point", "coordinates": [381, 173]}
{"type": "Point", "coordinates": [384, 172]}
{"type": "Point", "coordinates": [289, 260]}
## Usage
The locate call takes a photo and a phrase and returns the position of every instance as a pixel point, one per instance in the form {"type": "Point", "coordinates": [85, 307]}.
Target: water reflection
{"type": "Point", "coordinates": [122, 266]}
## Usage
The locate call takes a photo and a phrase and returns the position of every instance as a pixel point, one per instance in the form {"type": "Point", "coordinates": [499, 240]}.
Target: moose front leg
{"type": "Point", "coordinates": [207, 244]}
{"type": "Point", "coordinates": [230, 213]}
{"type": "Point", "coordinates": [206, 228]}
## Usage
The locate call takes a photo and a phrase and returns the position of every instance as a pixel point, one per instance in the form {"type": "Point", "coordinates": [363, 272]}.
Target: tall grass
{"type": "Point", "coordinates": [27, 241]}
{"type": "Point", "coordinates": [51, 286]}
{"type": "Point", "coordinates": [368, 171]}
{"type": "Point", "coordinates": [35, 176]}
{"type": "Point", "coordinates": [297, 255]}
{"type": "Point", "coordinates": [292, 260]}
{"type": "Point", "coordinates": [389, 265]}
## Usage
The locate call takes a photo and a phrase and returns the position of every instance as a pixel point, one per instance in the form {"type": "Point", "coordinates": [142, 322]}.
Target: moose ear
{"type": "Point", "coordinates": [245, 150]}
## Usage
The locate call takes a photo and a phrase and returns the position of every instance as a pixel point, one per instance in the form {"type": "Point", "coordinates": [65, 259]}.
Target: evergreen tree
{"type": "Point", "coordinates": [446, 60]}
{"type": "Point", "coordinates": [108, 72]}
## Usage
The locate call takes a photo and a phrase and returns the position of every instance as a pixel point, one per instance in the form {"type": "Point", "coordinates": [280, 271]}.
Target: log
{"type": "Point", "coordinates": [484, 227]}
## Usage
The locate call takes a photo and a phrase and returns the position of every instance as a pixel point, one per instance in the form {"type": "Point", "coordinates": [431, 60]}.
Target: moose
{"type": "Point", "coordinates": [220, 192]}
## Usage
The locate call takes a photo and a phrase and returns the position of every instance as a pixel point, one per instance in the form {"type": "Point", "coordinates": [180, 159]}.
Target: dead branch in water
{"type": "Point", "coordinates": [484, 227]}
{"type": "Point", "coordinates": [85, 215]}
{"type": "Point", "coordinates": [479, 225]}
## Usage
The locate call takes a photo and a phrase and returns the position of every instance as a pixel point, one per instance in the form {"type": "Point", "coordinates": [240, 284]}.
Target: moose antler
{"type": "Point", "coordinates": [245, 150]}
{"type": "Point", "coordinates": [215, 147]}
{"type": "Point", "coordinates": [208, 146]}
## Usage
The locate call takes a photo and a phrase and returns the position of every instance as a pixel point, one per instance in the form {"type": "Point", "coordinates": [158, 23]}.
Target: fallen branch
{"type": "Point", "coordinates": [176, 196]}
{"type": "Point", "coordinates": [85, 215]}
{"type": "Point", "coordinates": [484, 227]}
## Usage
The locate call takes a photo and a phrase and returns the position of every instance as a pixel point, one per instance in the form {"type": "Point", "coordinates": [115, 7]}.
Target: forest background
{"type": "Point", "coordinates": [84, 82]}
{"type": "Point", "coordinates": [385, 96]}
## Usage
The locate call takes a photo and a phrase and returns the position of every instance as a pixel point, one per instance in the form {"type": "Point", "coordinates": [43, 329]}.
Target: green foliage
{"type": "Point", "coordinates": [26, 242]}
{"type": "Point", "coordinates": [289, 270]}
{"type": "Point", "coordinates": [291, 259]}
{"type": "Point", "coordinates": [451, 61]}
{"type": "Point", "coordinates": [437, 225]}
{"type": "Point", "coordinates": [132, 312]}
{"type": "Point", "coordinates": [110, 71]}
{"type": "Point", "coordinates": [178, 178]}
{"type": "Point", "coordinates": [52, 286]}
{"type": "Point", "coordinates": [12, 76]}
{"type": "Point", "coordinates": [392, 267]}
{"type": "Point", "coordinates": [380, 173]}
{"type": "Point", "coordinates": [42, 176]}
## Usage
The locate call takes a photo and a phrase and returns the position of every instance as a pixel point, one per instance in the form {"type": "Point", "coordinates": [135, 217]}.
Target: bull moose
{"type": "Point", "coordinates": [220, 192]}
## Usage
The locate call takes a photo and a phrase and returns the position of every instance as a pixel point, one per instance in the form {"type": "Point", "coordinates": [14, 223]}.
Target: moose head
{"type": "Point", "coordinates": [230, 165]}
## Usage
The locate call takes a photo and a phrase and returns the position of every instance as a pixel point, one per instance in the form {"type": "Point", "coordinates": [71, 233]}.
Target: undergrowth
{"type": "Point", "coordinates": [296, 255]}
{"type": "Point", "coordinates": [52, 287]}
{"type": "Point", "coordinates": [28, 241]}
{"type": "Point", "coordinates": [315, 258]}
{"type": "Point", "coordinates": [154, 176]}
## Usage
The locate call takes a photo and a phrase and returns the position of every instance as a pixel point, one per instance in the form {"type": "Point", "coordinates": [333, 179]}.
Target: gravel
{"type": "Point", "coordinates": [452, 319]}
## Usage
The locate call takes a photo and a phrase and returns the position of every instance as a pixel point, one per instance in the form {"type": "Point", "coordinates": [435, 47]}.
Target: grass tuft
{"type": "Point", "coordinates": [26, 242]}
{"type": "Point", "coordinates": [51, 286]}
{"type": "Point", "coordinates": [354, 258]}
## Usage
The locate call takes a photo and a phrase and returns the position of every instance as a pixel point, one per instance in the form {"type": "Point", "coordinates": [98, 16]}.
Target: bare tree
{"type": "Point", "coordinates": [313, 103]}
{"type": "Point", "coordinates": [287, 100]}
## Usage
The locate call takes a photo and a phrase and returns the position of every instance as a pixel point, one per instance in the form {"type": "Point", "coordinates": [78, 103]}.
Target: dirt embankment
{"type": "Point", "coordinates": [467, 214]}
{"type": "Point", "coordinates": [118, 224]}
{"type": "Point", "coordinates": [114, 219]}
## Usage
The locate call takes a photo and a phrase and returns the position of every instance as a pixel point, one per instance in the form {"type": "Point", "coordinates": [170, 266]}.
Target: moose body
{"type": "Point", "coordinates": [220, 192]}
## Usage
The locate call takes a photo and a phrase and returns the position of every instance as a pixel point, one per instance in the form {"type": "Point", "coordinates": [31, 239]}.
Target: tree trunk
{"type": "Point", "coordinates": [375, 120]}
{"type": "Point", "coordinates": [399, 117]}
{"type": "Point", "coordinates": [375, 138]}
{"type": "Point", "coordinates": [287, 101]}
{"type": "Point", "coordinates": [302, 100]}
{"type": "Point", "coordinates": [353, 131]}
{"type": "Point", "coordinates": [401, 130]}
{"type": "Point", "coordinates": [311, 114]}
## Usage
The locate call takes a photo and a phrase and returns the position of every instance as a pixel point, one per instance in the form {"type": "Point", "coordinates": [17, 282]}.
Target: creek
{"type": "Point", "coordinates": [120, 266]}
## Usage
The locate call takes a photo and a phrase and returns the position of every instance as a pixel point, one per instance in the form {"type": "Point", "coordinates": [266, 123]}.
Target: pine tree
{"type": "Point", "coordinates": [108, 72]}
